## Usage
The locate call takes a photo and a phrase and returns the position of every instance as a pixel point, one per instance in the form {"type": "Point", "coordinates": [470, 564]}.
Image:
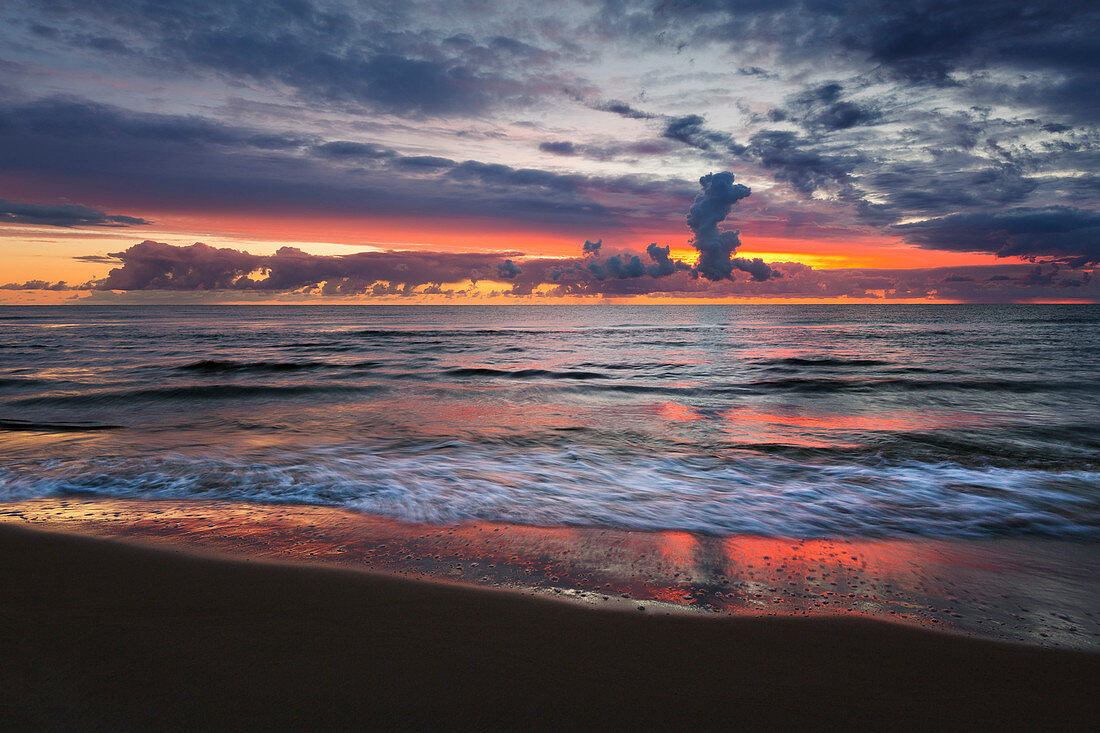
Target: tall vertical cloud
{"type": "Point", "coordinates": [716, 246]}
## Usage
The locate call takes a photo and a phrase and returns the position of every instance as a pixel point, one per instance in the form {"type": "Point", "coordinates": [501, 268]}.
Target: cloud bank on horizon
{"type": "Point", "coordinates": [956, 128]}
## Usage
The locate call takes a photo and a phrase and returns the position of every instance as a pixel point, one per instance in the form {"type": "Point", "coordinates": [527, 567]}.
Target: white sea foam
{"type": "Point", "coordinates": [754, 494]}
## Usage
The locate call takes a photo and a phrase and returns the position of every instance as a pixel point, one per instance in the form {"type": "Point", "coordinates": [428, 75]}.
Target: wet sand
{"type": "Point", "coordinates": [1041, 592]}
{"type": "Point", "coordinates": [97, 634]}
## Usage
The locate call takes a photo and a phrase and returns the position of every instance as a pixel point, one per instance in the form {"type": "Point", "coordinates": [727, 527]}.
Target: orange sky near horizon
{"type": "Point", "coordinates": [31, 253]}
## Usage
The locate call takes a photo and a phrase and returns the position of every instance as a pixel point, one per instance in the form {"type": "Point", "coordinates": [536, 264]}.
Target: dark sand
{"type": "Point", "coordinates": [96, 634]}
{"type": "Point", "coordinates": [1042, 592]}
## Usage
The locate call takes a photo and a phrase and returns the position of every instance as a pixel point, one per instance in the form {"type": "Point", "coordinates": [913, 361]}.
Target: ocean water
{"type": "Point", "coordinates": [786, 421]}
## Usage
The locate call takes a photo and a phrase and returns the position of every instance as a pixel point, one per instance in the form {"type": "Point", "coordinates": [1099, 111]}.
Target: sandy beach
{"type": "Point", "coordinates": [99, 634]}
{"type": "Point", "coordinates": [1039, 592]}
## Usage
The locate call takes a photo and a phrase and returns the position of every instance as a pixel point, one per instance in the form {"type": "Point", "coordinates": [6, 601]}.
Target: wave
{"type": "Point", "coordinates": [20, 381]}
{"type": "Point", "coordinates": [584, 381]}
{"type": "Point", "coordinates": [219, 366]}
{"type": "Point", "coordinates": [195, 392]}
{"type": "Point", "coordinates": [434, 333]}
{"type": "Point", "coordinates": [53, 427]}
{"type": "Point", "coordinates": [224, 366]}
{"type": "Point", "coordinates": [664, 366]}
{"type": "Point", "coordinates": [827, 362]}
{"type": "Point", "coordinates": [921, 385]}
{"type": "Point", "coordinates": [523, 373]}
{"type": "Point", "coordinates": [841, 386]}
{"type": "Point", "coordinates": [576, 485]}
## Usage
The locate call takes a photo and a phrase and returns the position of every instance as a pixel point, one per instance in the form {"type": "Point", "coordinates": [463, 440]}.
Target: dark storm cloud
{"type": "Point", "coordinates": [937, 66]}
{"type": "Point", "coordinates": [624, 266]}
{"type": "Point", "coordinates": [508, 270]}
{"type": "Point", "coordinates": [423, 163]}
{"type": "Point", "coordinates": [63, 215]}
{"type": "Point", "coordinates": [888, 111]}
{"type": "Point", "coordinates": [609, 151]}
{"type": "Point", "coordinates": [496, 175]}
{"type": "Point", "coordinates": [347, 150]}
{"type": "Point", "coordinates": [823, 107]}
{"type": "Point", "coordinates": [173, 161]}
{"type": "Point", "coordinates": [369, 53]}
{"type": "Point", "coordinates": [593, 275]}
{"type": "Point", "coordinates": [948, 170]}
{"type": "Point", "coordinates": [756, 267]}
{"type": "Point", "coordinates": [614, 106]}
{"type": "Point", "coordinates": [560, 147]}
{"type": "Point", "coordinates": [389, 81]}
{"type": "Point", "coordinates": [84, 121]}
{"type": "Point", "coordinates": [158, 266]}
{"type": "Point", "coordinates": [807, 163]}
{"type": "Point", "coordinates": [799, 161]}
{"type": "Point", "coordinates": [979, 284]}
{"type": "Point", "coordinates": [663, 265]}
{"type": "Point", "coordinates": [691, 130]}
{"type": "Point", "coordinates": [623, 110]}
{"type": "Point", "coordinates": [712, 206]}
{"type": "Point", "coordinates": [357, 55]}
{"type": "Point", "coordinates": [924, 189]}
{"type": "Point", "coordinates": [920, 41]}
{"type": "Point", "coordinates": [1058, 232]}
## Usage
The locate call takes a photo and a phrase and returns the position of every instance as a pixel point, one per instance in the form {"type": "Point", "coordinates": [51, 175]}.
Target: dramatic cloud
{"type": "Point", "coordinates": [797, 161]}
{"type": "Point", "coordinates": [158, 266]}
{"type": "Point", "coordinates": [63, 215]}
{"type": "Point", "coordinates": [1059, 233]}
{"type": "Point", "coordinates": [691, 130]}
{"type": "Point", "coordinates": [823, 107]}
{"type": "Point", "coordinates": [716, 246]}
{"type": "Point", "coordinates": [321, 51]}
{"type": "Point", "coordinates": [196, 163]}
{"type": "Point", "coordinates": [981, 284]}
{"type": "Point", "coordinates": [961, 127]}
{"type": "Point", "coordinates": [508, 270]}
{"type": "Point", "coordinates": [663, 265]}
{"type": "Point", "coordinates": [624, 110]}
{"type": "Point", "coordinates": [201, 266]}
{"type": "Point", "coordinates": [711, 207]}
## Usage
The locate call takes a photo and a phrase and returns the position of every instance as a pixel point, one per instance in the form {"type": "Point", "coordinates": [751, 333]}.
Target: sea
{"type": "Point", "coordinates": [791, 421]}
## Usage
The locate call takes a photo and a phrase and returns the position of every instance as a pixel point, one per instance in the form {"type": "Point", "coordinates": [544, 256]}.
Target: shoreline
{"type": "Point", "coordinates": [1038, 592]}
{"type": "Point", "coordinates": [104, 634]}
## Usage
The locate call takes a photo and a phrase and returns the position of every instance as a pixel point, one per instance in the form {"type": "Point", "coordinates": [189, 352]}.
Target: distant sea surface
{"type": "Point", "coordinates": [790, 421]}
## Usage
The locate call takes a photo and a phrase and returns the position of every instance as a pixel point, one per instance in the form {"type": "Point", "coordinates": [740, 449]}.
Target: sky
{"type": "Point", "coordinates": [494, 152]}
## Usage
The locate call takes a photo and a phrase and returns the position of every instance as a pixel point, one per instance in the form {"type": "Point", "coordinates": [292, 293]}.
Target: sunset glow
{"type": "Point", "coordinates": [858, 177]}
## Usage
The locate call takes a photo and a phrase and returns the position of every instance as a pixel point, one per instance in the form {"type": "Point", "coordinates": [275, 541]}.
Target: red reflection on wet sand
{"type": "Point", "coordinates": [678, 548]}
{"type": "Point", "coordinates": [1005, 589]}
